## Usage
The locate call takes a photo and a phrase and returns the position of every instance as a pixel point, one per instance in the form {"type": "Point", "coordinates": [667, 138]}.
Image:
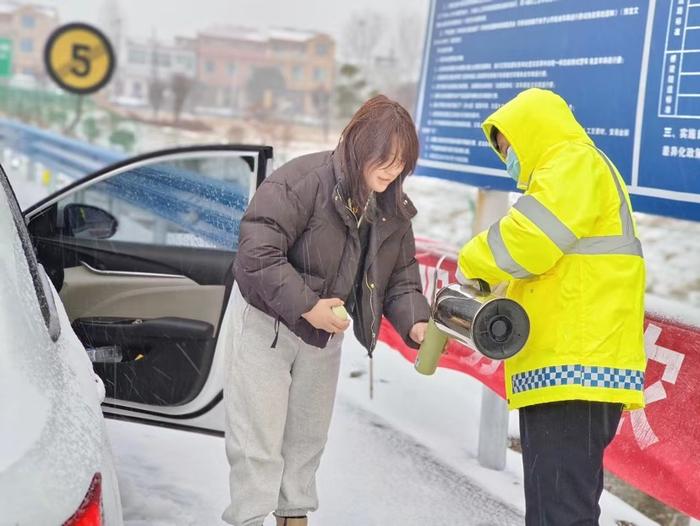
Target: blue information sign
{"type": "Point", "coordinates": [630, 69]}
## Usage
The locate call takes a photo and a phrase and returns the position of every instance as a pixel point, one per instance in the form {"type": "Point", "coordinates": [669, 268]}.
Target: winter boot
{"type": "Point", "coordinates": [291, 521]}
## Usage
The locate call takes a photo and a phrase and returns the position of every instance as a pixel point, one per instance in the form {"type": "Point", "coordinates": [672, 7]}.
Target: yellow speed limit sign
{"type": "Point", "coordinates": [79, 58]}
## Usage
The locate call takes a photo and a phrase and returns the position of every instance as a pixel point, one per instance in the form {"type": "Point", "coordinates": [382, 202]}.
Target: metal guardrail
{"type": "Point", "coordinates": [72, 157]}
{"type": "Point", "coordinates": [203, 206]}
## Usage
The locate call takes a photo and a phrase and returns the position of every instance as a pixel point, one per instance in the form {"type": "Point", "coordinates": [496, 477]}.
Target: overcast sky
{"type": "Point", "coordinates": [184, 17]}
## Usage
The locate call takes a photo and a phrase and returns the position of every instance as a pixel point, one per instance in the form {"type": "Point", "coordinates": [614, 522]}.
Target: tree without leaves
{"type": "Point", "coordinates": [410, 30]}
{"type": "Point", "coordinates": [264, 80]}
{"type": "Point", "coordinates": [362, 34]}
{"type": "Point", "coordinates": [262, 90]}
{"type": "Point", "coordinates": [156, 95]}
{"type": "Point", "coordinates": [322, 104]}
{"type": "Point", "coordinates": [112, 21]}
{"type": "Point", "coordinates": [181, 87]}
{"type": "Point", "coordinates": [350, 90]}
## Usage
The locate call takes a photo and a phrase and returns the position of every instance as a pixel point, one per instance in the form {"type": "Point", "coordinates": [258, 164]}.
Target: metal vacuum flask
{"type": "Point", "coordinates": [496, 327]}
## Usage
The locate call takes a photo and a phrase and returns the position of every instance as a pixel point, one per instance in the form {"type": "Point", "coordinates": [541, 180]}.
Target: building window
{"type": "Point", "coordinates": [231, 69]}
{"type": "Point", "coordinates": [209, 66]}
{"type": "Point", "coordinates": [185, 62]}
{"type": "Point", "coordinates": [28, 21]}
{"type": "Point", "coordinates": [298, 73]}
{"type": "Point", "coordinates": [320, 74]}
{"type": "Point", "coordinates": [137, 56]}
{"type": "Point", "coordinates": [163, 59]}
{"type": "Point", "coordinates": [321, 49]}
{"type": "Point", "coordinates": [136, 90]}
{"type": "Point", "coordinates": [26, 45]}
{"type": "Point", "coordinates": [28, 71]}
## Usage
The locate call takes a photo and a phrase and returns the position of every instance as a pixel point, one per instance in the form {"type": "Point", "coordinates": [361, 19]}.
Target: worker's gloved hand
{"type": "Point", "coordinates": [478, 284]}
{"type": "Point", "coordinates": [500, 289]}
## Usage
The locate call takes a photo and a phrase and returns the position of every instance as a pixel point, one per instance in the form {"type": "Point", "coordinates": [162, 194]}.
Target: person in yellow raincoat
{"type": "Point", "coordinates": [568, 249]}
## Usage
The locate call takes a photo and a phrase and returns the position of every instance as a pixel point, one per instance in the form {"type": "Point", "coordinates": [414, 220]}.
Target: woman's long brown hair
{"type": "Point", "coordinates": [380, 133]}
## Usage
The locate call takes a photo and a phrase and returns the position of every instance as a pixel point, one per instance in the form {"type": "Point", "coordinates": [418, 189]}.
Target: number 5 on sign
{"type": "Point", "coordinates": [79, 58]}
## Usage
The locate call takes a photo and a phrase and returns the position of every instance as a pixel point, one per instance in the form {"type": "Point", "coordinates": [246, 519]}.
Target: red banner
{"type": "Point", "coordinates": [656, 448]}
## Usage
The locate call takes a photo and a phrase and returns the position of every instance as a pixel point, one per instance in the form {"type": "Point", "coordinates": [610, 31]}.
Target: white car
{"type": "Point", "coordinates": [114, 294]}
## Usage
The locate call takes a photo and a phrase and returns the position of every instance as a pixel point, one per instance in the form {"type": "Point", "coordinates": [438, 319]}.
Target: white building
{"type": "Point", "coordinates": [144, 62]}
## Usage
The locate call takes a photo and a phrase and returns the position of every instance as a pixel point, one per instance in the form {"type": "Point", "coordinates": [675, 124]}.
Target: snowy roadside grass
{"type": "Point", "coordinates": [672, 254]}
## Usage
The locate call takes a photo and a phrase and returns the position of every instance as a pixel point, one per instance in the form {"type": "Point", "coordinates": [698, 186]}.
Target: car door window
{"type": "Point", "coordinates": [17, 256]}
{"type": "Point", "coordinates": [196, 200]}
{"type": "Point", "coordinates": [141, 253]}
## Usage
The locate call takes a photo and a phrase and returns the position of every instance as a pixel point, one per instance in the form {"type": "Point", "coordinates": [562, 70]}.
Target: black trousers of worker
{"type": "Point", "coordinates": [563, 445]}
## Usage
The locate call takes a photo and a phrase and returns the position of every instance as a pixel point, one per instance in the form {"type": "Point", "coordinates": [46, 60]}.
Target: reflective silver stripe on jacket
{"type": "Point", "coordinates": [501, 255]}
{"type": "Point", "coordinates": [625, 244]}
{"type": "Point", "coordinates": [546, 221]}
{"type": "Point", "coordinates": [563, 237]}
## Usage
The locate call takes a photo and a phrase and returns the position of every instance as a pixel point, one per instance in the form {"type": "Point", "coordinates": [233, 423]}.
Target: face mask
{"type": "Point", "coordinates": [512, 165]}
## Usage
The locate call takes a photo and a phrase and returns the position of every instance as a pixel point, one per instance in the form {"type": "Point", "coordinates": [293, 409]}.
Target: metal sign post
{"type": "Point", "coordinates": [493, 425]}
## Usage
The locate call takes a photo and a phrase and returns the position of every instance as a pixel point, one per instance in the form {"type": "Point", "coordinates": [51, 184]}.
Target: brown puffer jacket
{"type": "Point", "coordinates": [299, 243]}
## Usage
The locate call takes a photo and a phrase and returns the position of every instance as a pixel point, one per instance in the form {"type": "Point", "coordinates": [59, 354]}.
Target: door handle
{"type": "Point", "coordinates": [125, 273]}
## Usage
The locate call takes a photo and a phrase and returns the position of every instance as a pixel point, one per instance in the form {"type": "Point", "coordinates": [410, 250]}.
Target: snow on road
{"type": "Point", "coordinates": [407, 457]}
{"type": "Point", "coordinates": [371, 475]}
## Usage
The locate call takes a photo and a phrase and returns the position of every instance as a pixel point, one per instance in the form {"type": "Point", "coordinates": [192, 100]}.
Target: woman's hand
{"type": "Point", "coordinates": [417, 333]}
{"type": "Point", "coordinates": [323, 318]}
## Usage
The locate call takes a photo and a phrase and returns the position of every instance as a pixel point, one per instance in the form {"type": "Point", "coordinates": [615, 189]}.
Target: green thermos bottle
{"type": "Point", "coordinates": [431, 349]}
{"type": "Point", "coordinates": [469, 313]}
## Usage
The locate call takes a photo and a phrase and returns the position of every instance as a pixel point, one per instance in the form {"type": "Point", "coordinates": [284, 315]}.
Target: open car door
{"type": "Point", "coordinates": [141, 253]}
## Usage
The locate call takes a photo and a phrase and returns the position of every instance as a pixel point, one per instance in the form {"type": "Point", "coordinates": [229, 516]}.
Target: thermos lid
{"type": "Point", "coordinates": [500, 329]}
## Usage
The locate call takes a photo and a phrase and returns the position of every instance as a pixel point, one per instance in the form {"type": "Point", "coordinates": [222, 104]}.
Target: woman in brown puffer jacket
{"type": "Point", "coordinates": [324, 230]}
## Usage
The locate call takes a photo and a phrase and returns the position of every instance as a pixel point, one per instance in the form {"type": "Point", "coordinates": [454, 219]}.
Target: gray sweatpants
{"type": "Point", "coordinates": [278, 409]}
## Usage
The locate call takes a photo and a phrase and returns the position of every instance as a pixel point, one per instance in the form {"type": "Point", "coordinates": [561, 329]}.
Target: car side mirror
{"type": "Point", "coordinates": [88, 222]}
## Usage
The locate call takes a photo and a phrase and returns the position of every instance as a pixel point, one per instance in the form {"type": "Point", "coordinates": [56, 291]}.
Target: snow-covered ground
{"type": "Point", "coordinates": [406, 457]}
